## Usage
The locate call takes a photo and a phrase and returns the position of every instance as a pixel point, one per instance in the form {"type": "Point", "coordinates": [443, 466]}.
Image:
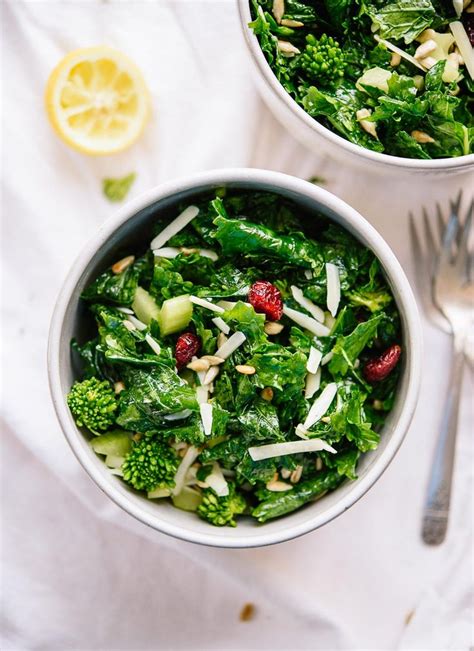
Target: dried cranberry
{"type": "Point", "coordinates": [266, 298]}
{"type": "Point", "coordinates": [468, 22]}
{"type": "Point", "coordinates": [187, 345]}
{"type": "Point", "coordinates": [380, 367]}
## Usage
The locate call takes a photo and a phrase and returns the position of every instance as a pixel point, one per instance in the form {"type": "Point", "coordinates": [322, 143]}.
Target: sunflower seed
{"type": "Point", "coordinates": [267, 394]}
{"type": "Point", "coordinates": [199, 365]}
{"type": "Point", "coordinates": [245, 369]}
{"type": "Point", "coordinates": [272, 328]}
{"type": "Point", "coordinates": [122, 264]}
{"type": "Point", "coordinates": [213, 360]}
{"type": "Point", "coordinates": [296, 474]}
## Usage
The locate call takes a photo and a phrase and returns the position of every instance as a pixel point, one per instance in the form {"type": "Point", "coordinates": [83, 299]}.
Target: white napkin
{"type": "Point", "coordinates": [78, 572]}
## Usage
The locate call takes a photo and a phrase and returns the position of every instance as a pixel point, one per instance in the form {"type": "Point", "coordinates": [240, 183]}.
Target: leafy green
{"type": "Point", "coordinates": [339, 107]}
{"type": "Point", "coordinates": [118, 288]}
{"type": "Point", "coordinates": [119, 345]}
{"type": "Point", "coordinates": [238, 237]}
{"type": "Point", "coordinates": [244, 318]}
{"type": "Point", "coordinates": [282, 503]}
{"type": "Point", "coordinates": [117, 189]}
{"type": "Point", "coordinates": [150, 395]}
{"type": "Point", "coordinates": [259, 421]}
{"type": "Point", "coordinates": [278, 367]}
{"type": "Point", "coordinates": [349, 420]}
{"type": "Point", "coordinates": [349, 347]}
{"type": "Point", "coordinates": [404, 19]}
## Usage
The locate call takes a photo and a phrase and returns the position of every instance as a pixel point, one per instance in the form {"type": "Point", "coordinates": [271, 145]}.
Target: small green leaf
{"type": "Point", "coordinates": [117, 189]}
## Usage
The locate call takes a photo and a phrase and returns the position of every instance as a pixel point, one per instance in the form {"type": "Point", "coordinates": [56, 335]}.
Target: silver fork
{"type": "Point", "coordinates": [444, 268]}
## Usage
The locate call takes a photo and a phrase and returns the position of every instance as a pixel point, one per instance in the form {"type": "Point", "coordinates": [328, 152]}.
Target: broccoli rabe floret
{"type": "Point", "coordinates": [149, 465]}
{"type": "Point", "coordinates": [93, 404]}
{"type": "Point", "coordinates": [220, 511]}
{"type": "Point", "coordinates": [322, 60]}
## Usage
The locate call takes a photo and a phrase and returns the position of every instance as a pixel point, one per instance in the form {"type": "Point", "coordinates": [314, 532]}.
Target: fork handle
{"type": "Point", "coordinates": [436, 511]}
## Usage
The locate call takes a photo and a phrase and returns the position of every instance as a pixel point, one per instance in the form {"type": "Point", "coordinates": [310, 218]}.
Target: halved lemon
{"type": "Point", "coordinates": [97, 100]}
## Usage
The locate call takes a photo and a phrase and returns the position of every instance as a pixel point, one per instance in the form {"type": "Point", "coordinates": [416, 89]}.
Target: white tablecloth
{"type": "Point", "coordinates": [78, 573]}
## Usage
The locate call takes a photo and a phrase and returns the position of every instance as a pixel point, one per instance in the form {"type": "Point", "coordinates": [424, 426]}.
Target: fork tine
{"type": "Point", "coordinates": [462, 257]}
{"type": "Point", "coordinates": [454, 206]}
{"type": "Point", "coordinates": [450, 235]}
{"type": "Point", "coordinates": [416, 249]}
{"type": "Point", "coordinates": [441, 222]}
{"type": "Point", "coordinates": [421, 266]}
{"type": "Point", "coordinates": [432, 246]}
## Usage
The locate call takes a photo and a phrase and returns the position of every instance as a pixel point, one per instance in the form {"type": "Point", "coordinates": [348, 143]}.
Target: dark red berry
{"type": "Point", "coordinates": [187, 345]}
{"type": "Point", "coordinates": [380, 367]}
{"type": "Point", "coordinates": [266, 298]}
{"type": "Point", "coordinates": [468, 22]}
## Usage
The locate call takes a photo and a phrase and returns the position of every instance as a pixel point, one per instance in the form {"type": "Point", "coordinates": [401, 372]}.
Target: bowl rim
{"type": "Point", "coordinates": [209, 179]}
{"type": "Point", "coordinates": [433, 165]}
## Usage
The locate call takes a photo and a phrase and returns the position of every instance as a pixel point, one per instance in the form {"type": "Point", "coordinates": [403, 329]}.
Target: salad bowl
{"type": "Point", "coordinates": [129, 228]}
{"type": "Point", "coordinates": [322, 140]}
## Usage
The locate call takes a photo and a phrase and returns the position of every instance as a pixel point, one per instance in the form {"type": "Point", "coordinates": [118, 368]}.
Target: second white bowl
{"type": "Point", "coordinates": [318, 138]}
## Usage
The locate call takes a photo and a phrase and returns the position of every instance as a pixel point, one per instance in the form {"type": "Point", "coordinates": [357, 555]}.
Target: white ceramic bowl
{"type": "Point", "coordinates": [130, 228]}
{"type": "Point", "coordinates": [318, 138]}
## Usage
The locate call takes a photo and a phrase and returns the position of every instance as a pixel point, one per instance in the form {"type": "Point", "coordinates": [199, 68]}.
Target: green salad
{"type": "Point", "coordinates": [391, 76]}
{"type": "Point", "coordinates": [243, 363]}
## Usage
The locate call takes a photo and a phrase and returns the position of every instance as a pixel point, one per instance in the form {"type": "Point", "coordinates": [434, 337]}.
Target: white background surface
{"type": "Point", "coordinates": [77, 572]}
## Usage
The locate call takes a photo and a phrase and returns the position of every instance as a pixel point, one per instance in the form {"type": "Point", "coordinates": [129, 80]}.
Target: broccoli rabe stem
{"type": "Point", "coordinates": [282, 503]}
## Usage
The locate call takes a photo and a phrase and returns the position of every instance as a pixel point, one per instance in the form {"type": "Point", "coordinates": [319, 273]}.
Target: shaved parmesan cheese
{"type": "Point", "coordinates": [278, 486]}
{"type": "Point", "coordinates": [174, 227]}
{"type": "Point", "coordinates": [464, 45]}
{"type": "Point", "coordinates": [327, 358]}
{"type": "Point", "coordinates": [458, 6]}
{"type": "Point", "coordinates": [207, 253]}
{"type": "Point", "coordinates": [402, 53]}
{"type": "Point", "coordinates": [139, 325]}
{"type": "Point", "coordinates": [201, 374]}
{"type": "Point", "coordinates": [217, 482]}
{"type": "Point", "coordinates": [236, 340]}
{"type": "Point", "coordinates": [178, 415]}
{"type": "Point", "coordinates": [189, 458]}
{"type": "Point", "coordinates": [154, 345]}
{"type": "Point", "coordinates": [306, 322]}
{"type": "Point", "coordinates": [206, 416]}
{"type": "Point", "coordinates": [333, 288]}
{"type": "Point", "coordinates": [167, 252]}
{"type": "Point", "coordinates": [129, 325]}
{"type": "Point", "coordinates": [202, 393]}
{"type": "Point", "coordinates": [314, 360]}
{"type": "Point", "coordinates": [202, 302]}
{"type": "Point", "coordinates": [313, 381]}
{"type": "Point", "coordinates": [308, 274]}
{"type": "Point", "coordinates": [125, 310]}
{"type": "Point", "coordinates": [221, 324]}
{"type": "Point", "coordinates": [315, 311]}
{"type": "Point", "coordinates": [320, 405]}
{"type": "Point", "coordinates": [301, 432]}
{"type": "Point", "coordinates": [289, 447]}
{"type": "Point", "coordinates": [210, 376]}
